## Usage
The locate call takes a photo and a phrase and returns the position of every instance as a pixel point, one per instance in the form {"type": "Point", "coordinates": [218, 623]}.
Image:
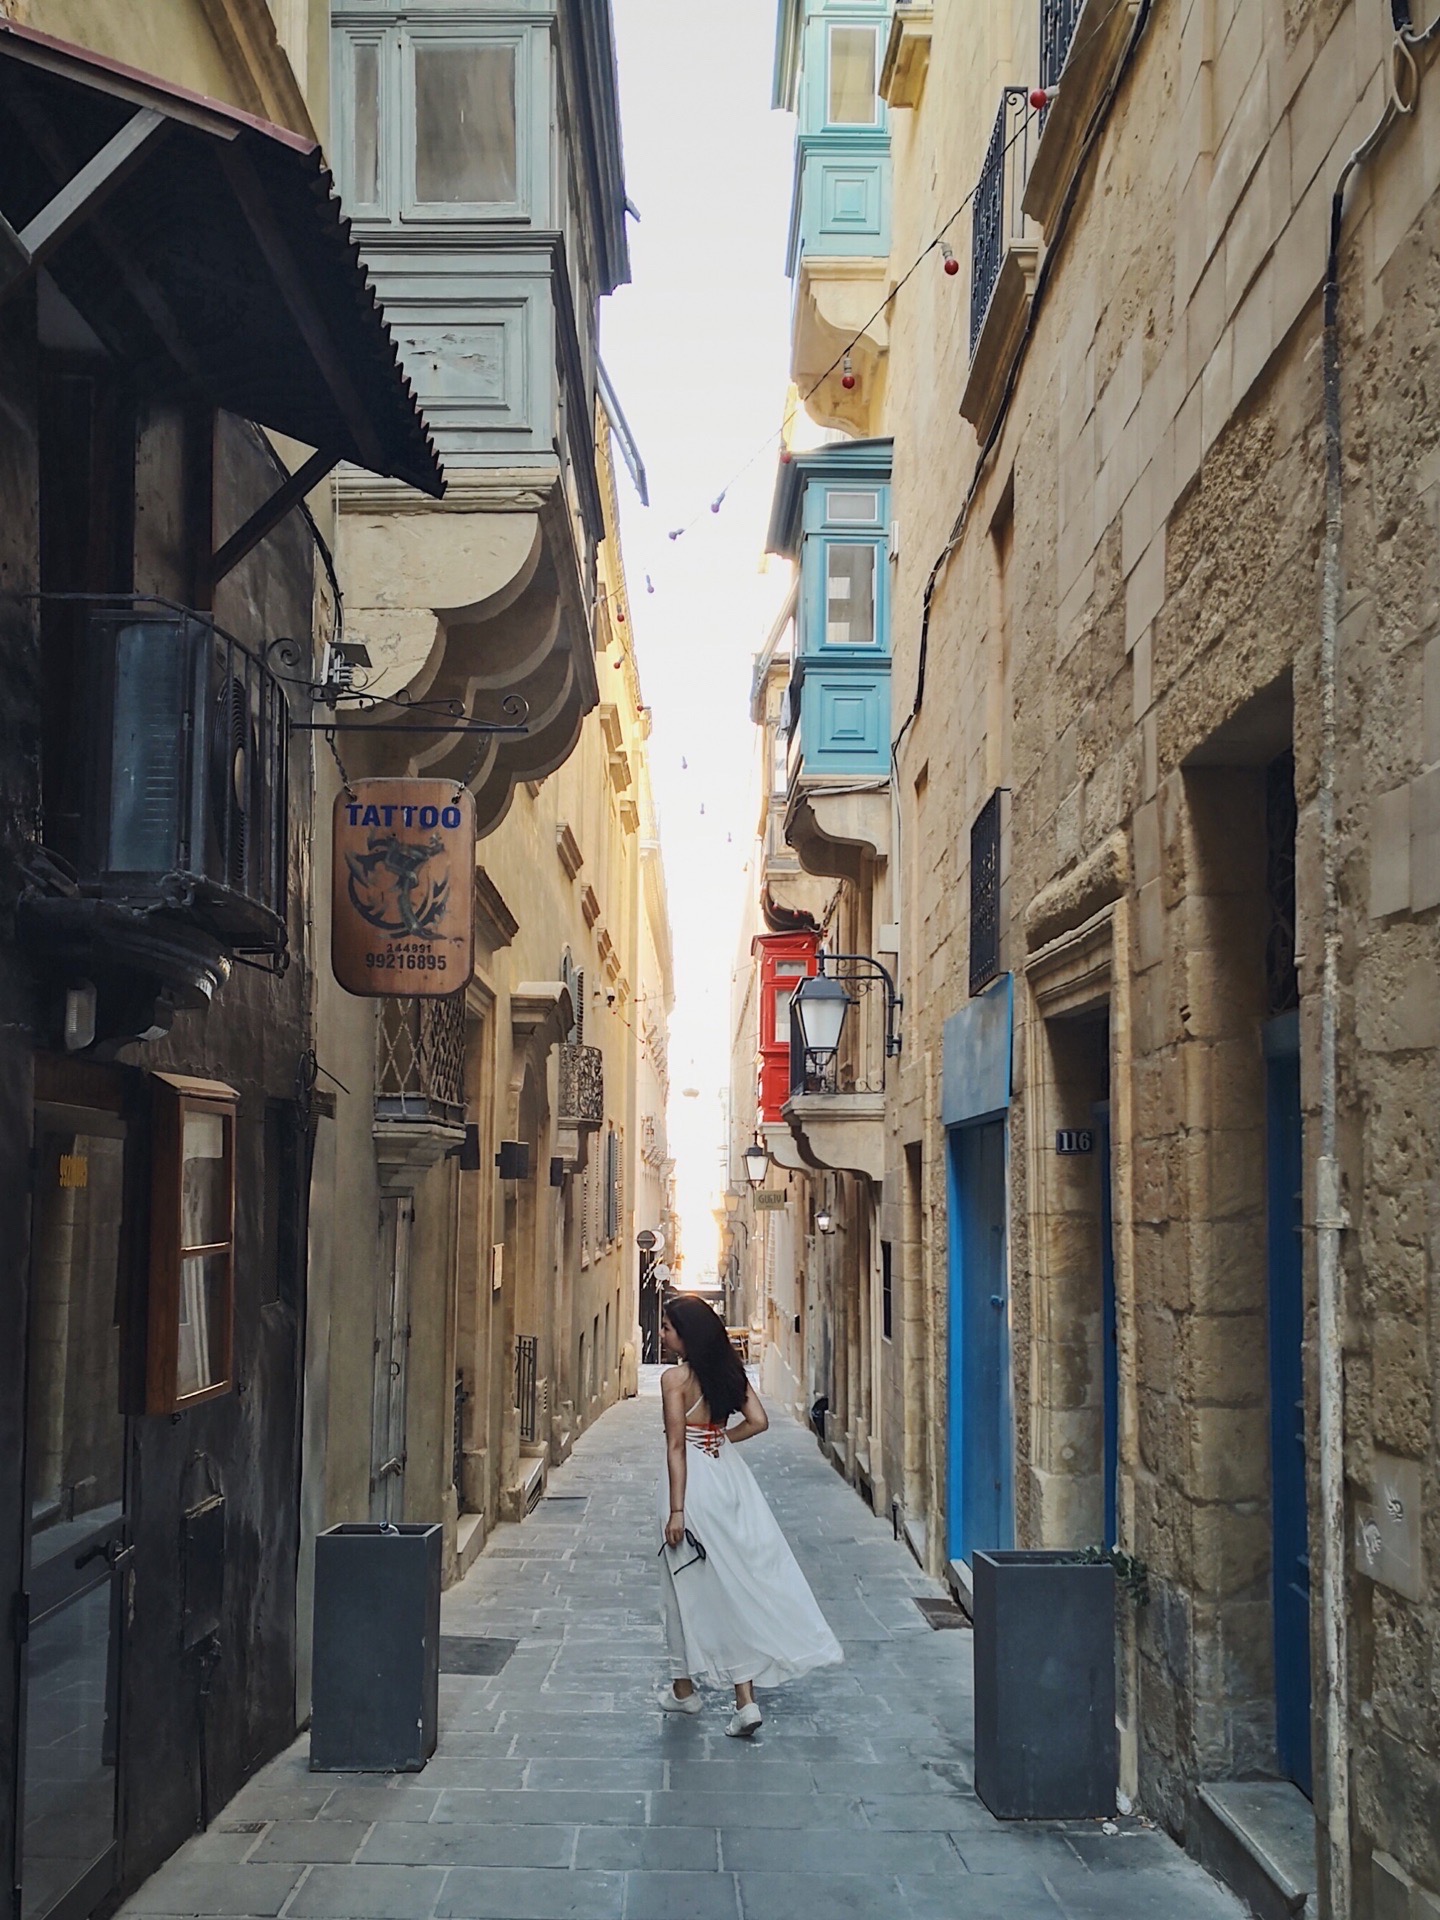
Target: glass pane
{"type": "Point", "coordinates": [74, 1428]}
{"type": "Point", "coordinates": [69, 1750]}
{"type": "Point", "coordinates": [204, 1181]}
{"type": "Point", "coordinates": [147, 771]}
{"type": "Point", "coordinates": [365, 123]}
{"type": "Point", "coordinates": [465, 124]}
{"type": "Point", "coordinates": [204, 1302]}
{"type": "Point", "coordinates": [849, 596]}
{"type": "Point", "coordinates": [852, 506]}
{"type": "Point", "coordinates": [852, 76]}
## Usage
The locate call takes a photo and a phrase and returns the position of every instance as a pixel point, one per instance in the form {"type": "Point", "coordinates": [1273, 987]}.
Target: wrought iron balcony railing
{"type": "Point", "coordinates": [997, 218]}
{"type": "Point", "coordinates": [582, 1087]}
{"type": "Point", "coordinates": [1057, 31]}
{"type": "Point", "coordinates": [171, 794]}
{"type": "Point", "coordinates": [420, 1060]}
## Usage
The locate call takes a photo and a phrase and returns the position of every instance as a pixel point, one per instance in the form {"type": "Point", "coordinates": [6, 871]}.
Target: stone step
{"type": "Point", "coordinates": [1258, 1836]}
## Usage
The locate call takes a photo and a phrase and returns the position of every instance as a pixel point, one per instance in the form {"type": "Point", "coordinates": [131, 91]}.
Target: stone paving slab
{"type": "Point", "coordinates": [560, 1791]}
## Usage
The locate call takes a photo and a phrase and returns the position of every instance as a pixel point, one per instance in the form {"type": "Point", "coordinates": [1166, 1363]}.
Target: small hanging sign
{"type": "Point", "coordinates": [403, 888]}
{"type": "Point", "coordinates": [1074, 1140]}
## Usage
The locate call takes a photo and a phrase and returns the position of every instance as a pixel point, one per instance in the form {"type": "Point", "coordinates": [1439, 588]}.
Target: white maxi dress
{"type": "Point", "coordinates": [745, 1612]}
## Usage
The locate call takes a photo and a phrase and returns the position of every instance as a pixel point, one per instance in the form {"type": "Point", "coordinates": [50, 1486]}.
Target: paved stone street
{"type": "Point", "coordinates": [560, 1792]}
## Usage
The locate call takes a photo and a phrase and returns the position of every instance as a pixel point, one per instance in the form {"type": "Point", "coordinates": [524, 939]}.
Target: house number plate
{"type": "Point", "coordinates": [1074, 1140]}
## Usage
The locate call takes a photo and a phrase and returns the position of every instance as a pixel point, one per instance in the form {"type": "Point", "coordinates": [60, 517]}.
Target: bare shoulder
{"type": "Point", "coordinates": [675, 1379]}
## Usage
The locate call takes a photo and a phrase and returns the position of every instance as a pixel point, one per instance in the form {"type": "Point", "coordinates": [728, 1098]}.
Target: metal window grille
{"type": "Point", "coordinates": [527, 1347]}
{"type": "Point", "coordinates": [997, 218]}
{"type": "Point", "coordinates": [582, 1086]}
{"type": "Point", "coordinates": [985, 894]}
{"type": "Point", "coordinates": [457, 1438]}
{"type": "Point", "coordinates": [1281, 981]}
{"type": "Point", "coordinates": [1057, 31]}
{"type": "Point", "coordinates": [420, 1060]}
{"type": "Point", "coordinates": [887, 1290]}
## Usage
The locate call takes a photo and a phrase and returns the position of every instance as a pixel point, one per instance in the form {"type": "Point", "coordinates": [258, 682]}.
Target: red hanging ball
{"type": "Point", "coordinates": [1039, 99]}
{"type": "Point", "coordinates": [952, 266]}
{"type": "Point", "coordinates": [786, 456]}
{"type": "Point", "coordinates": [847, 380]}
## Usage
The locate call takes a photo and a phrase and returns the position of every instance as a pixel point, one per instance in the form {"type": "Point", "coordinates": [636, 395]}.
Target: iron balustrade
{"type": "Point", "coordinates": [996, 217]}
{"type": "Point", "coordinates": [173, 795]}
{"type": "Point", "coordinates": [1057, 33]}
{"type": "Point", "coordinates": [985, 894]}
{"type": "Point", "coordinates": [420, 1060]}
{"type": "Point", "coordinates": [527, 1348]}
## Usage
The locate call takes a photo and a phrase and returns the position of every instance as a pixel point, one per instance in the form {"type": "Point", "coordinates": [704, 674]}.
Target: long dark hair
{"type": "Point", "coordinates": [709, 1355]}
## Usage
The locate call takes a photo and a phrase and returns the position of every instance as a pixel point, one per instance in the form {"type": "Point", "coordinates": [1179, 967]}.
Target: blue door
{"type": "Point", "coordinates": [979, 1493]}
{"type": "Point", "coordinates": [1290, 1552]}
{"type": "Point", "coordinates": [1110, 1344]}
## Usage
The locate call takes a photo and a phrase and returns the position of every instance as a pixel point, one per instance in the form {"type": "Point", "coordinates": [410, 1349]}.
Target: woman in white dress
{"type": "Point", "coordinates": [738, 1611]}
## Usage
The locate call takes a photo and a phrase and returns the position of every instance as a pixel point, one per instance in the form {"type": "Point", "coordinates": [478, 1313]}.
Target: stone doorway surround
{"type": "Point", "coordinates": [1078, 969]}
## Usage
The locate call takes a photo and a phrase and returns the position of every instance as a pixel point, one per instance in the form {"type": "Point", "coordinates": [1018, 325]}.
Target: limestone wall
{"type": "Point", "coordinates": [1126, 638]}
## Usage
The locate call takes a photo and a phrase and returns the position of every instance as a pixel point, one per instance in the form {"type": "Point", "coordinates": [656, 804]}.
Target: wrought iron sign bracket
{"type": "Point", "coordinates": [894, 1002]}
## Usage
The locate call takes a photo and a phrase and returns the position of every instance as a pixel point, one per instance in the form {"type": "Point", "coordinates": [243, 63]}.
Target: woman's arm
{"type": "Point", "coordinates": [754, 1420]}
{"type": "Point", "coordinates": [672, 1399]}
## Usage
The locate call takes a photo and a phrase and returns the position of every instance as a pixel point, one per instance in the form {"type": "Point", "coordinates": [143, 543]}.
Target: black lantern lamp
{"type": "Point", "coordinates": [757, 1164]}
{"type": "Point", "coordinates": [820, 1006]}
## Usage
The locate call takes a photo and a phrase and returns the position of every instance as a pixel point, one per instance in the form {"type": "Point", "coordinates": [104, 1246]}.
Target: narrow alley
{"type": "Point", "coordinates": [559, 1792]}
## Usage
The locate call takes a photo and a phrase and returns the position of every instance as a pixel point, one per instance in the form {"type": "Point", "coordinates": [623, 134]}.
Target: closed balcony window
{"type": "Point", "coordinates": [465, 150]}
{"type": "Point", "coordinates": [854, 56]}
{"type": "Point", "coordinates": [365, 124]}
{"type": "Point", "coordinates": [849, 595]}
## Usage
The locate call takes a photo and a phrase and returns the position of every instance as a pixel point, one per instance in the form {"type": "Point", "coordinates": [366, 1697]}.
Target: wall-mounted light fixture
{"type": "Point", "coordinates": [757, 1164]}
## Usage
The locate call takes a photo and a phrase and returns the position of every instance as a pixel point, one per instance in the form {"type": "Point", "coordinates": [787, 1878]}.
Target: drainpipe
{"type": "Point", "coordinates": [1329, 1212]}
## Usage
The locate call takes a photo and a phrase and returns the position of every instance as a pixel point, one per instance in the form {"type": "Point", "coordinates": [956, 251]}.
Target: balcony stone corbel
{"type": "Point", "coordinates": [840, 832]}
{"type": "Point", "coordinates": [839, 1132]}
{"type": "Point", "coordinates": [461, 607]}
{"type": "Point", "coordinates": [834, 300]}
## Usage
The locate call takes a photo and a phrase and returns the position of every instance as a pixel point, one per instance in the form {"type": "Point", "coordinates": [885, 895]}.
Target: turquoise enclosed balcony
{"type": "Point", "coordinates": [827, 72]}
{"type": "Point", "coordinates": [831, 515]}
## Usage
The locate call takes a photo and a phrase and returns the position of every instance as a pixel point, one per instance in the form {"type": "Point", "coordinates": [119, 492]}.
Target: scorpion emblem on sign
{"type": "Point", "coordinates": [391, 891]}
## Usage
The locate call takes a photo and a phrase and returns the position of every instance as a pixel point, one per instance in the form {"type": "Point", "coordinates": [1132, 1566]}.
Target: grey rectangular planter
{"type": "Point", "coordinates": [1045, 1746]}
{"type": "Point", "coordinates": [376, 1687]}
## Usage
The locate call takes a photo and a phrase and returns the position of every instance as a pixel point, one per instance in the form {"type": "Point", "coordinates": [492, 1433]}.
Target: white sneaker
{"type": "Point", "coordinates": [745, 1721]}
{"type": "Point", "coordinates": [670, 1701]}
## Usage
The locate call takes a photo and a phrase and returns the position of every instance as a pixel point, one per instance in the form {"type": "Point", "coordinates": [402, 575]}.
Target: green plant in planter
{"type": "Point", "coordinates": [1130, 1570]}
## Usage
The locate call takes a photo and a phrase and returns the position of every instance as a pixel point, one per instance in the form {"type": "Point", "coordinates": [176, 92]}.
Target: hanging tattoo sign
{"type": "Point", "coordinates": [403, 890]}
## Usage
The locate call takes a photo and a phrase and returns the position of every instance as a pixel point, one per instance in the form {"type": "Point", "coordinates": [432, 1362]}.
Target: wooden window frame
{"type": "Point", "coordinates": [174, 1096]}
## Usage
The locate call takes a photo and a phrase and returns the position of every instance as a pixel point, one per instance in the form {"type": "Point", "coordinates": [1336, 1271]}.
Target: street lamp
{"type": "Point", "coordinates": [820, 1006]}
{"type": "Point", "coordinates": [825, 1221]}
{"type": "Point", "coordinates": [757, 1164]}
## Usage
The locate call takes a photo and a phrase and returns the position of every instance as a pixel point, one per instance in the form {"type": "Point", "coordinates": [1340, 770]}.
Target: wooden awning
{"type": "Point", "coordinates": [205, 248]}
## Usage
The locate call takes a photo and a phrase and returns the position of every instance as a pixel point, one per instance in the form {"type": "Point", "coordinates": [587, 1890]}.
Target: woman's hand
{"type": "Point", "coordinates": [675, 1529]}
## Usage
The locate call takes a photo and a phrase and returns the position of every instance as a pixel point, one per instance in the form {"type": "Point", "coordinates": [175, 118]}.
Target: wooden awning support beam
{"type": "Point", "coordinates": [24, 253]}
{"type": "Point", "coordinates": [269, 515]}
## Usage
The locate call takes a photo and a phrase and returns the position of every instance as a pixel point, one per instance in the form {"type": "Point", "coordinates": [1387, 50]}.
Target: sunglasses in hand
{"type": "Point", "coordinates": [699, 1553]}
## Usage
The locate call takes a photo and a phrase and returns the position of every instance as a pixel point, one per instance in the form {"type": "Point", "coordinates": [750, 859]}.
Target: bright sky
{"type": "Point", "coordinates": [697, 348]}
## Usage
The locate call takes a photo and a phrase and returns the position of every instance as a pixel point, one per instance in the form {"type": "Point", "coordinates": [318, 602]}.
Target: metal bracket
{"type": "Point", "coordinates": [894, 1001]}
